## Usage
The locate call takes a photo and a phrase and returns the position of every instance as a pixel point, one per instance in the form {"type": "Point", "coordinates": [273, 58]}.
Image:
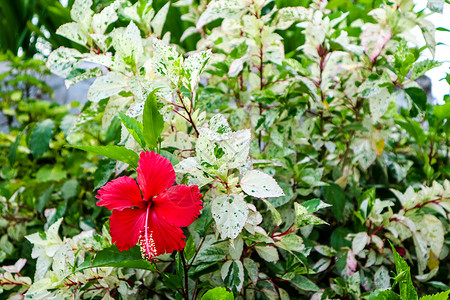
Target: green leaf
{"type": "Point", "coordinates": [275, 214]}
{"type": "Point", "coordinates": [335, 196]}
{"type": "Point", "coordinates": [204, 221]}
{"type": "Point", "coordinates": [69, 189]}
{"type": "Point", "coordinates": [218, 293]}
{"type": "Point", "coordinates": [439, 296]}
{"type": "Point", "coordinates": [407, 290]}
{"type": "Point", "coordinates": [41, 136]}
{"type": "Point", "coordinates": [51, 173]}
{"type": "Point", "coordinates": [44, 198]}
{"type": "Point", "coordinates": [210, 254]}
{"type": "Point", "coordinates": [134, 127]}
{"type": "Point", "coordinates": [189, 249]}
{"type": "Point", "coordinates": [112, 257]}
{"type": "Point", "coordinates": [314, 205]}
{"type": "Point", "coordinates": [15, 145]}
{"type": "Point", "coordinates": [418, 96]}
{"type": "Point", "coordinates": [114, 152]}
{"type": "Point", "coordinates": [104, 170]}
{"type": "Point", "coordinates": [172, 281]}
{"type": "Point", "coordinates": [442, 111]}
{"type": "Point", "coordinates": [152, 120]}
{"type": "Point", "coordinates": [303, 283]}
{"type": "Point", "coordinates": [384, 295]}
{"type": "Point", "coordinates": [414, 129]}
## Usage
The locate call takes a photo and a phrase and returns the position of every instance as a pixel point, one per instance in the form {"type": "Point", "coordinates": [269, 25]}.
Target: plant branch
{"type": "Point", "coordinates": [186, 279]}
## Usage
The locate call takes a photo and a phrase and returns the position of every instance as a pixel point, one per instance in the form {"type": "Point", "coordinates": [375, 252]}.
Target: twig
{"type": "Point", "coordinates": [186, 279]}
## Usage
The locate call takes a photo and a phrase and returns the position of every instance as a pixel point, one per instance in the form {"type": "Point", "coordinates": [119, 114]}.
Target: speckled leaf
{"type": "Point", "coordinates": [428, 31]}
{"type": "Point", "coordinates": [194, 66]}
{"type": "Point", "coordinates": [422, 67]}
{"type": "Point", "coordinates": [431, 233]}
{"type": "Point", "coordinates": [220, 9]}
{"type": "Point", "coordinates": [291, 242]}
{"type": "Point", "coordinates": [115, 104]}
{"type": "Point", "coordinates": [128, 42]}
{"type": "Point", "coordinates": [73, 32]}
{"type": "Point", "coordinates": [364, 154]}
{"type": "Point", "coordinates": [237, 148]}
{"type": "Point", "coordinates": [205, 150]}
{"type": "Point", "coordinates": [101, 21]}
{"type": "Point", "coordinates": [302, 218]}
{"type": "Point", "coordinates": [166, 61]}
{"type": "Point", "coordinates": [78, 75]}
{"type": "Point", "coordinates": [258, 184]}
{"type": "Point", "coordinates": [288, 15]}
{"type": "Point", "coordinates": [63, 60]}
{"type": "Point", "coordinates": [218, 128]}
{"type": "Point", "coordinates": [230, 213]}
{"type": "Point", "coordinates": [379, 104]}
{"type": "Point", "coordinates": [321, 265]}
{"type": "Point", "coordinates": [381, 278]}
{"type": "Point", "coordinates": [81, 12]}
{"type": "Point", "coordinates": [196, 174]}
{"type": "Point", "coordinates": [436, 5]}
{"type": "Point", "coordinates": [107, 86]}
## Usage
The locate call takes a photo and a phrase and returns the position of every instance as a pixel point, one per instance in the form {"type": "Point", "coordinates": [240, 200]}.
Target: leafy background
{"type": "Point", "coordinates": [301, 118]}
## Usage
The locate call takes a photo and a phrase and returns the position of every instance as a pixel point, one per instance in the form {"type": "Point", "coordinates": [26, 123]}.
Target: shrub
{"type": "Point", "coordinates": [288, 121]}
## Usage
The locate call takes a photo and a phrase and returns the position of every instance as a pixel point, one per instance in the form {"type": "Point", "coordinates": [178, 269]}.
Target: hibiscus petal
{"type": "Point", "coordinates": [119, 194]}
{"type": "Point", "coordinates": [179, 205]}
{"type": "Point", "coordinates": [162, 237]}
{"type": "Point", "coordinates": [126, 226]}
{"type": "Point", "coordinates": [155, 174]}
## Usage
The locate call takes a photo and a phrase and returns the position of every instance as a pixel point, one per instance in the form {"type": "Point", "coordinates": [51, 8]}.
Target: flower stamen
{"type": "Point", "coordinates": [146, 241]}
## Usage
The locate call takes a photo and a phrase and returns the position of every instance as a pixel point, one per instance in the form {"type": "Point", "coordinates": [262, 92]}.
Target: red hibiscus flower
{"type": "Point", "coordinates": [154, 217]}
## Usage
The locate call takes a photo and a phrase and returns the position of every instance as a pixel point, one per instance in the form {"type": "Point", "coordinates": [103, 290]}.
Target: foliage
{"type": "Point", "coordinates": [303, 127]}
{"type": "Point", "coordinates": [26, 24]}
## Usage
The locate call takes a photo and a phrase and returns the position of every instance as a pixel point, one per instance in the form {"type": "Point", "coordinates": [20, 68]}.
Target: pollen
{"type": "Point", "coordinates": [147, 244]}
